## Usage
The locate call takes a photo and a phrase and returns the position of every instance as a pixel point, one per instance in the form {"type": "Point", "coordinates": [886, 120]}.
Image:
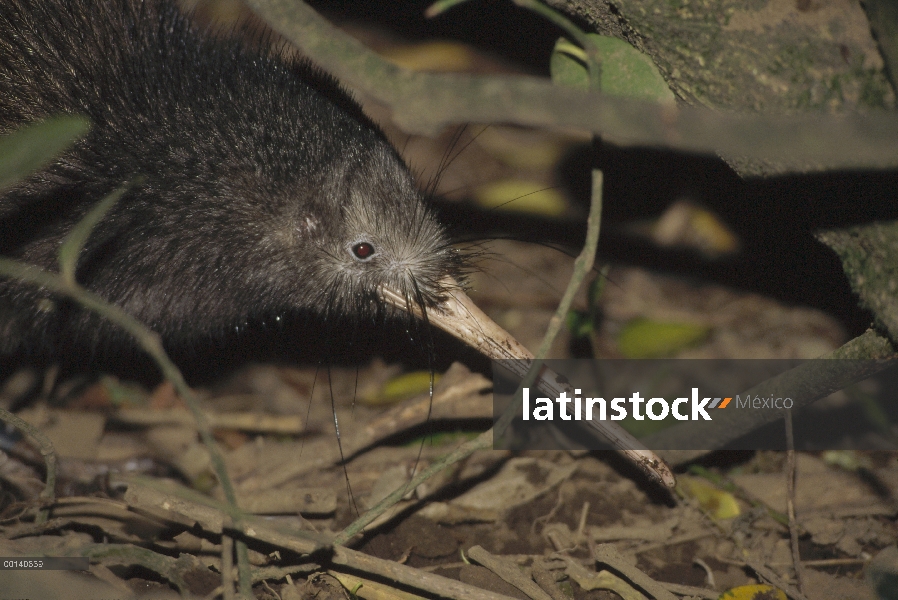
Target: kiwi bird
{"type": "Point", "coordinates": [260, 189]}
{"type": "Point", "coordinates": [264, 188]}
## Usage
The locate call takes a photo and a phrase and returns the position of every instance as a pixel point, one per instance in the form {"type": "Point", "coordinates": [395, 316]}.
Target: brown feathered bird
{"type": "Point", "coordinates": [264, 190]}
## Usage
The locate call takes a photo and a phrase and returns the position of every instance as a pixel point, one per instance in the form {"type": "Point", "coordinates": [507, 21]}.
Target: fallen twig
{"type": "Point", "coordinates": [240, 421]}
{"type": "Point", "coordinates": [508, 571]}
{"type": "Point", "coordinates": [607, 555]}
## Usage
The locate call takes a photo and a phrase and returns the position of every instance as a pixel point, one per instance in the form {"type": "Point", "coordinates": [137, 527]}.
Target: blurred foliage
{"type": "Point", "coordinates": [33, 146]}
{"type": "Point", "coordinates": [625, 71]}
{"type": "Point", "coordinates": [518, 195]}
{"type": "Point", "coordinates": [645, 338]}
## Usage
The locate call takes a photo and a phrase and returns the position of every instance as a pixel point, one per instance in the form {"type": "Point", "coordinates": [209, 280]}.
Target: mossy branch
{"type": "Point", "coordinates": [425, 103]}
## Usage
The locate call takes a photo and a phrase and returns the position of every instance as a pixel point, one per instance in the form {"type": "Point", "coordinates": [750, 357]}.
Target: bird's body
{"type": "Point", "coordinates": [263, 188]}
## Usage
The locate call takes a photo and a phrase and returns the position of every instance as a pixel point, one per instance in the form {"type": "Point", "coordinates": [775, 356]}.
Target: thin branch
{"type": "Point", "coordinates": [582, 267]}
{"type": "Point", "coordinates": [510, 572]}
{"type": "Point", "coordinates": [481, 442]}
{"type": "Point", "coordinates": [790, 501]}
{"type": "Point", "coordinates": [607, 555]}
{"type": "Point", "coordinates": [227, 567]}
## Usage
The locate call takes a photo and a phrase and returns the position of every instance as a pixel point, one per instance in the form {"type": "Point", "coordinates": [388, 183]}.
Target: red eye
{"type": "Point", "coordinates": [363, 250]}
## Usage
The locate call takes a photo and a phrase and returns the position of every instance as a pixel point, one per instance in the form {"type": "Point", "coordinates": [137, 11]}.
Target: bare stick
{"type": "Point", "coordinates": [508, 571]}
{"type": "Point", "coordinates": [227, 567]}
{"type": "Point", "coordinates": [607, 555]}
{"type": "Point", "coordinates": [481, 442]}
{"type": "Point", "coordinates": [790, 500]}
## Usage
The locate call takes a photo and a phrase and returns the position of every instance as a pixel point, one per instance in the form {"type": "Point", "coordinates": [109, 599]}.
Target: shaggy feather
{"type": "Point", "coordinates": [260, 178]}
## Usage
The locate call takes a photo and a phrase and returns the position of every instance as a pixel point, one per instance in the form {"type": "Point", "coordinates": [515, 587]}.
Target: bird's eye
{"type": "Point", "coordinates": [363, 250]}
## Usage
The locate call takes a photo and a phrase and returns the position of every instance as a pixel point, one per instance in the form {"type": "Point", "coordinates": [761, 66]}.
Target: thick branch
{"type": "Point", "coordinates": [424, 103]}
{"type": "Point", "coordinates": [855, 361]}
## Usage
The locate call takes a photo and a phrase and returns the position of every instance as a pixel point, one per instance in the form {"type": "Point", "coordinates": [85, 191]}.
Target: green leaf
{"type": "Point", "coordinates": [596, 289]}
{"type": "Point", "coordinates": [753, 592]}
{"type": "Point", "coordinates": [568, 68]}
{"type": "Point", "coordinates": [401, 387]}
{"type": "Point", "coordinates": [73, 243]}
{"type": "Point", "coordinates": [642, 338]}
{"type": "Point", "coordinates": [522, 196]}
{"type": "Point", "coordinates": [625, 70]}
{"type": "Point", "coordinates": [33, 146]}
{"type": "Point", "coordinates": [719, 503]}
{"type": "Point", "coordinates": [580, 323]}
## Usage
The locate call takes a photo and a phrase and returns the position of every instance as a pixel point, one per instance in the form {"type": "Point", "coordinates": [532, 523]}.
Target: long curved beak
{"type": "Point", "coordinates": [459, 316]}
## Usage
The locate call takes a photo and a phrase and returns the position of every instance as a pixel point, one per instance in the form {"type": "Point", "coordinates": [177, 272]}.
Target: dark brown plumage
{"type": "Point", "coordinates": [266, 191]}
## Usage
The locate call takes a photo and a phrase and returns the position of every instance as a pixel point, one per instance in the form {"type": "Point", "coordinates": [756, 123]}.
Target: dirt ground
{"type": "Point", "coordinates": [129, 456]}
